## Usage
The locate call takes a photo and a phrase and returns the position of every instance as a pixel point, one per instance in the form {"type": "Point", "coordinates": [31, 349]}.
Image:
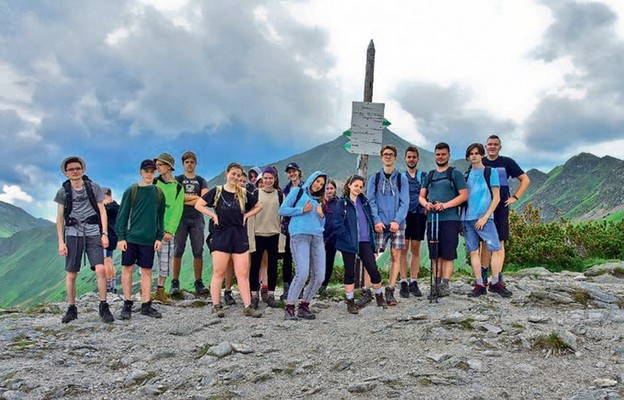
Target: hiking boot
{"type": "Point", "coordinates": [365, 298]}
{"type": "Point", "coordinates": [284, 296]}
{"type": "Point", "coordinates": [414, 289]}
{"type": "Point", "coordinates": [161, 295]}
{"type": "Point", "coordinates": [228, 298]}
{"type": "Point", "coordinates": [264, 294]}
{"type": "Point", "coordinates": [478, 290]}
{"type": "Point", "coordinates": [255, 302]}
{"type": "Point", "coordinates": [148, 310]}
{"type": "Point", "coordinates": [351, 307]}
{"type": "Point", "coordinates": [217, 309]}
{"type": "Point", "coordinates": [175, 287]}
{"type": "Point", "coordinates": [500, 288]}
{"type": "Point", "coordinates": [404, 291]}
{"type": "Point", "coordinates": [105, 313]}
{"type": "Point", "coordinates": [381, 302]}
{"type": "Point", "coordinates": [289, 313]}
{"type": "Point", "coordinates": [304, 311]}
{"type": "Point", "coordinates": [271, 302]}
{"type": "Point", "coordinates": [444, 289]}
{"type": "Point", "coordinates": [484, 275]}
{"type": "Point", "coordinates": [251, 312]}
{"type": "Point", "coordinates": [390, 300]}
{"type": "Point", "coordinates": [200, 289]}
{"type": "Point", "coordinates": [126, 311]}
{"type": "Point", "coordinates": [71, 314]}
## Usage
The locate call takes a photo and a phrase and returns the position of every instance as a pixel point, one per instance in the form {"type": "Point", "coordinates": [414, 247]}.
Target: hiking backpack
{"type": "Point", "coordinates": [377, 177]}
{"type": "Point", "coordinates": [68, 205]}
{"type": "Point", "coordinates": [448, 175]}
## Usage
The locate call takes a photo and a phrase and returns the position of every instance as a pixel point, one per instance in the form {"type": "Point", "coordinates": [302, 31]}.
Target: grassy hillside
{"type": "Point", "coordinates": [31, 271]}
{"type": "Point", "coordinates": [14, 219]}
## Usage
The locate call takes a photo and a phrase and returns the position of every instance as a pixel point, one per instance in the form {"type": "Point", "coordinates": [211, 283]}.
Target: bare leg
{"type": "Point", "coordinates": [396, 255]}
{"type": "Point", "coordinates": [70, 287]}
{"type": "Point", "coordinates": [241, 268]}
{"type": "Point", "coordinates": [100, 272]}
{"type": "Point", "coordinates": [146, 284]}
{"type": "Point", "coordinates": [219, 266]}
{"type": "Point", "coordinates": [126, 281]}
{"type": "Point", "coordinates": [229, 274]}
{"type": "Point", "coordinates": [415, 260]}
{"type": "Point", "coordinates": [177, 267]}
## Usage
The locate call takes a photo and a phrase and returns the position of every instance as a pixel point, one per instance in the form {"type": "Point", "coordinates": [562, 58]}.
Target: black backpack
{"type": "Point", "coordinates": [448, 175]}
{"type": "Point", "coordinates": [69, 197]}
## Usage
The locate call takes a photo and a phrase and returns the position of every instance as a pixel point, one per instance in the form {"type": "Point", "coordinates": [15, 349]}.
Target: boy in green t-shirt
{"type": "Point", "coordinates": [140, 231]}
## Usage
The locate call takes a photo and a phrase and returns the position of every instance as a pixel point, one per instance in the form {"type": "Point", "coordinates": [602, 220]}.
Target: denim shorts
{"type": "Point", "coordinates": [488, 234]}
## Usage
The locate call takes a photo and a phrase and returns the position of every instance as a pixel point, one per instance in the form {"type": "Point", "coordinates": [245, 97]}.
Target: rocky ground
{"type": "Point", "coordinates": [560, 336]}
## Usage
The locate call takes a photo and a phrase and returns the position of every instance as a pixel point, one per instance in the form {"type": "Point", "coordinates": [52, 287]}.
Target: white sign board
{"type": "Point", "coordinates": [366, 127]}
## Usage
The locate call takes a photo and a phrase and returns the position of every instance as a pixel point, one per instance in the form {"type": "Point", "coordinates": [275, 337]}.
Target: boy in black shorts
{"type": "Point", "coordinates": [415, 224]}
{"type": "Point", "coordinates": [140, 229]}
{"type": "Point", "coordinates": [81, 228]}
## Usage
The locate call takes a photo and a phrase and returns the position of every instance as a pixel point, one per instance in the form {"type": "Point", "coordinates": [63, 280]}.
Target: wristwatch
{"type": "Point", "coordinates": [105, 233]}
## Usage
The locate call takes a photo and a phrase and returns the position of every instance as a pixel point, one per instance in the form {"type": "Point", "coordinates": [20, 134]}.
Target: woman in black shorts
{"type": "Point", "coordinates": [230, 206]}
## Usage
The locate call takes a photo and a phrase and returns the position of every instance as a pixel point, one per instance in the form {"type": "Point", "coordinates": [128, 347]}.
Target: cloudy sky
{"type": "Point", "coordinates": [257, 81]}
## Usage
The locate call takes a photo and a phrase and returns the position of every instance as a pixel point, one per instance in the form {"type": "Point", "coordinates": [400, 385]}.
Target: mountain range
{"type": "Point", "coordinates": [31, 271]}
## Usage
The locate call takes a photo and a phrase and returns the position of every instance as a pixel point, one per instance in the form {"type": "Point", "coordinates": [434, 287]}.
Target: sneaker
{"type": "Point", "coordinates": [444, 290]}
{"type": "Point", "coordinates": [284, 296]}
{"type": "Point", "coordinates": [175, 287]}
{"type": "Point", "coordinates": [200, 289]}
{"type": "Point", "coordinates": [484, 275]}
{"type": "Point", "coordinates": [228, 298]}
{"type": "Point", "coordinates": [365, 298]}
{"type": "Point", "coordinates": [126, 311]}
{"type": "Point", "coordinates": [500, 288]}
{"type": "Point", "coordinates": [414, 289]}
{"type": "Point", "coordinates": [271, 302]}
{"type": "Point", "coordinates": [351, 307]}
{"type": "Point", "coordinates": [217, 309]}
{"type": "Point", "coordinates": [478, 290]}
{"type": "Point", "coordinates": [381, 302]}
{"type": "Point", "coordinates": [255, 302]}
{"type": "Point", "coordinates": [105, 313]}
{"type": "Point", "coordinates": [147, 309]}
{"type": "Point", "coordinates": [264, 294]}
{"type": "Point", "coordinates": [304, 311]}
{"type": "Point", "coordinates": [289, 313]}
{"type": "Point", "coordinates": [161, 296]}
{"type": "Point", "coordinates": [404, 291]}
{"type": "Point", "coordinates": [70, 315]}
{"type": "Point", "coordinates": [251, 312]}
{"type": "Point", "coordinates": [390, 300]}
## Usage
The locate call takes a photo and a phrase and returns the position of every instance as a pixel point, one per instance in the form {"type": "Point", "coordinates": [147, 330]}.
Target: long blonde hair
{"type": "Point", "coordinates": [241, 193]}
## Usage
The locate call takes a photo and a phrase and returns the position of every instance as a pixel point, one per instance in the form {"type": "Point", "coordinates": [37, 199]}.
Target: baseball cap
{"type": "Point", "coordinates": [148, 164]}
{"type": "Point", "coordinates": [167, 159]}
{"type": "Point", "coordinates": [292, 165]}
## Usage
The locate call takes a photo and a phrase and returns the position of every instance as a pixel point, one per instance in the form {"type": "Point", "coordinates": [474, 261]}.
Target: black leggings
{"type": "Point", "coordinates": [270, 244]}
{"type": "Point", "coordinates": [287, 262]}
{"type": "Point", "coordinates": [367, 256]}
{"type": "Point", "coordinates": [330, 256]}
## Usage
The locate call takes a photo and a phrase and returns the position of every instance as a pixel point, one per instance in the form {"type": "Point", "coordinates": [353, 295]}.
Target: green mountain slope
{"type": "Point", "coordinates": [585, 187]}
{"type": "Point", "coordinates": [14, 219]}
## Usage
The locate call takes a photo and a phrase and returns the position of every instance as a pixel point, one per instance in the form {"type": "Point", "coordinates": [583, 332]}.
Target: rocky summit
{"type": "Point", "coordinates": [559, 337]}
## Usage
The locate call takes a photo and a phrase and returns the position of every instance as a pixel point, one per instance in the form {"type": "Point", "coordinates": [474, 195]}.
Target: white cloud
{"type": "Point", "coordinates": [13, 193]}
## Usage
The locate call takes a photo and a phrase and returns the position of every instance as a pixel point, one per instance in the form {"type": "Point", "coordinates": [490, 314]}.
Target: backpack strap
{"type": "Point", "coordinates": [487, 173]}
{"type": "Point", "coordinates": [69, 197]}
{"type": "Point", "coordinates": [377, 175]}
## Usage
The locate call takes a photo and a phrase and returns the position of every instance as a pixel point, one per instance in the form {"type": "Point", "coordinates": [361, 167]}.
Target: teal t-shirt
{"type": "Point", "coordinates": [440, 189]}
{"type": "Point", "coordinates": [479, 197]}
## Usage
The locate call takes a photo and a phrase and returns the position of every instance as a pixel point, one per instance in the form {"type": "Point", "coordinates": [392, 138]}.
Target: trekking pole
{"type": "Point", "coordinates": [436, 217]}
{"type": "Point", "coordinates": [431, 266]}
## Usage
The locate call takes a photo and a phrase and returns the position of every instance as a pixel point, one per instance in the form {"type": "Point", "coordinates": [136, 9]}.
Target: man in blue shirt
{"type": "Point", "coordinates": [478, 220]}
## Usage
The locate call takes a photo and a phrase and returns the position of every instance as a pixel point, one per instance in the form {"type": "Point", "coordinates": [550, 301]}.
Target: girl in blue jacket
{"type": "Point", "coordinates": [304, 206]}
{"type": "Point", "coordinates": [354, 230]}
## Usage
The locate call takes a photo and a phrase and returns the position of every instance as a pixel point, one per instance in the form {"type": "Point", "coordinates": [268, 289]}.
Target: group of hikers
{"type": "Point", "coordinates": [253, 222]}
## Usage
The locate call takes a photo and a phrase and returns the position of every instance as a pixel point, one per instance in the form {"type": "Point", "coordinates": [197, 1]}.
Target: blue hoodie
{"type": "Point", "coordinates": [309, 223]}
{"type": "Point", "coordinates": [388, 204]}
